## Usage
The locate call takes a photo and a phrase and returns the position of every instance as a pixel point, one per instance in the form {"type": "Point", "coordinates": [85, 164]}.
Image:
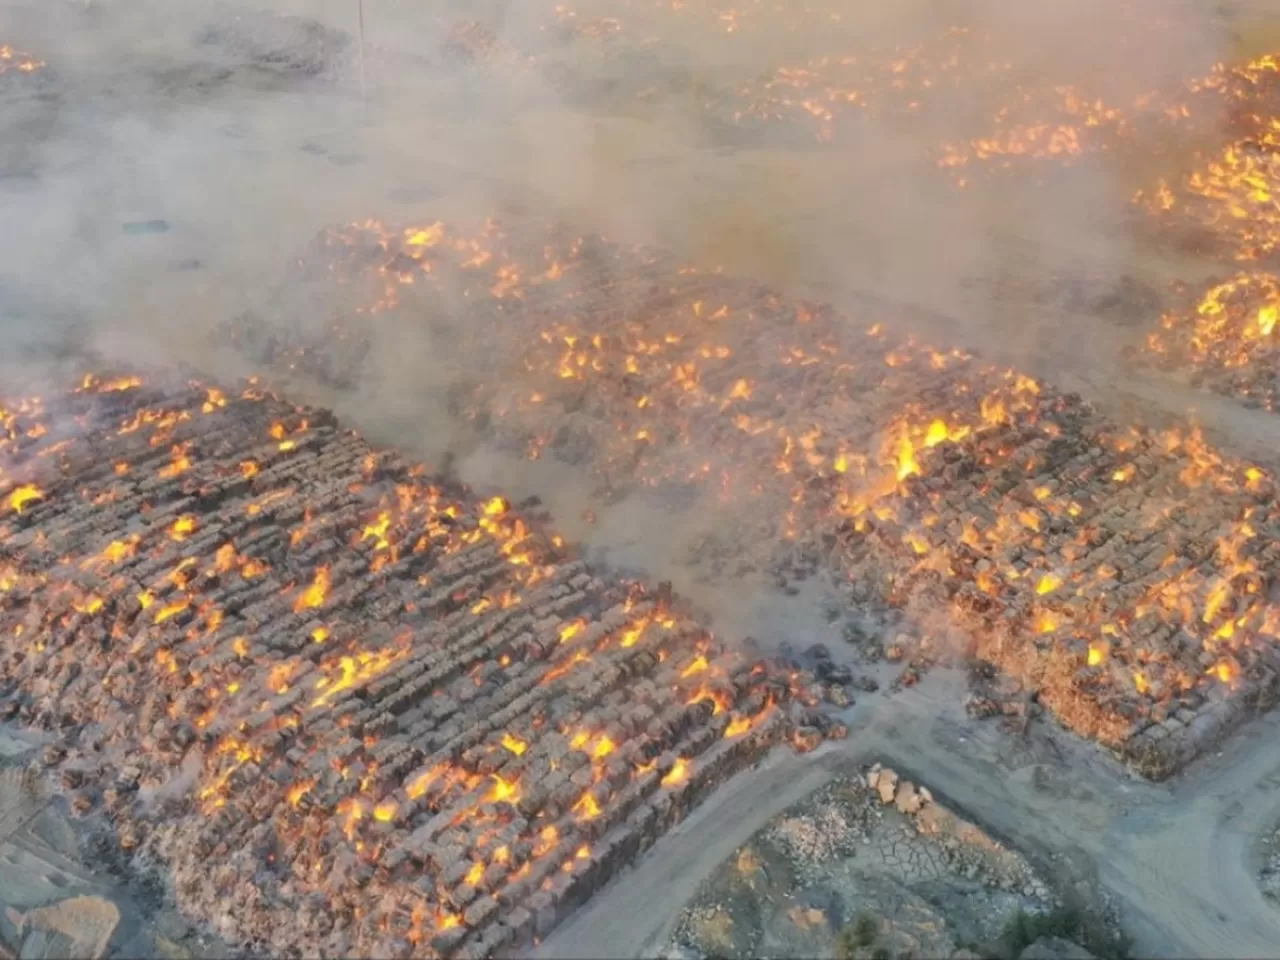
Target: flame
{"type": "Point", "coordinates": [571, 630]}
{"type": "Point", "coordinates": [503, 791]}
{"type": "Point", "coordinates": [678, 774]}
{"type": "Point", "coordinates": [298, 791]}
{"type": "Point", "coordinates": [179, 463]}
{"type": "Point", "coordinates": [1048, 583]}
{"type": "Point", "coordinates": [314, 595]}
{"type": "Point", "coordinates": [23, 495]}
{"type": "Point", "coordinates": [352, 671]}
{"type": "Point", "coordinates": [514, 744]}
{"type": "Point", "coordinates": [586, 808]}
{"type": "Point", "coordinates": [698, 666]}
{"type": "Point", "coordinates": [170, 609]}
{"type": "Point", "coordinates": [182, 528]}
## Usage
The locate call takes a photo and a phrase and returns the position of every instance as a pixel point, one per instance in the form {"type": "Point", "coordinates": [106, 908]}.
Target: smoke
{"type": "Point", "coordinates": [178, 157]}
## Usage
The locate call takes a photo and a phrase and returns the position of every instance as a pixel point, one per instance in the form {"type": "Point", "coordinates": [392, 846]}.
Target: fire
{"type": "Point", "coordinates": [11, 59]}
{"type": "Point", "coordinates": [503, 791]}
{"type": "Point", "coordinates": [571, 630]}
{"type": "Point", "coordinates": [678, 774]}
{"type": "Point", "coordinates": [314, 595]}
{"type": "Point", "coordinates": [1097, 654]}
{"type": "Point", "coordinates": [740, 725]}
{"type": "Point", "coordinates": [90, 604]}
{"type": "Point", "coordinates": [21, 496]}
{"type": "Point", "coordinates": [907, 464]}
{"type": "Point", "coordinates": [548, 838]}
{"type": "Point", "coordinates": [514, 744]}
{"type": "Point", "coordinates": [299, 790]}
{"type": "Point", "coordinates": [722, 700]}
{"type": "Point", "coordinates": [179, 463]}
{"type": "Point", "coordinates": [170, 609]}
{"type": "Point", "coordinates": [699, 665]}
{"type": "Point", "coordinates": [353, 671]}
{"type": "Point", "coordinates": [182, 528]}
{"type": "Point", "coordinates": [215, 400]}
{"type": "Point", "coordinates": [1048, 583]}
{"type": "Point", "coordinates": [586, 808]}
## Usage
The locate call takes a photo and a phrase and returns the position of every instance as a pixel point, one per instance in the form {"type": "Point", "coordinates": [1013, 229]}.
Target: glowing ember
{"type": "Point", "coordinates": [678, 774]}
{"type": "Point", "coordinates": [23, 495]}
{"type": "Point", "coordinates": [314, 595]}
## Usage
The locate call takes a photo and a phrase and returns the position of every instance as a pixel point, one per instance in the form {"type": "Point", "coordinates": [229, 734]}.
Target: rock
{"type": "Point", "coordinates": [906, 799]}
{"type": "Point", "coordinates": [1055, 948]}
{"type": "Point", "coordinates": [887, 785]}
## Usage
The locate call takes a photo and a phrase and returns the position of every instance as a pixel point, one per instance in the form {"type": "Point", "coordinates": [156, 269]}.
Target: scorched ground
{"type": "Point", "coordinates": [338, 705]}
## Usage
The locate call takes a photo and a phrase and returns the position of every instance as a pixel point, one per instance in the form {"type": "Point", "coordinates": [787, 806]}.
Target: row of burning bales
{"type": "Point", "coordinates": [351, 709]}
{"type": "Point", "coordinates": [1125, 574]}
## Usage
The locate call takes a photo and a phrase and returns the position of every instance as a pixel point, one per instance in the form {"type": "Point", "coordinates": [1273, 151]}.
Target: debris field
{"type": "Point", "coordinates": [341, 706]}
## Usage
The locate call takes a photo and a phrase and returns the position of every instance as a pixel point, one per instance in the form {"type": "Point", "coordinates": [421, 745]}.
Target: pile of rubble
{"type": "Point", "coordinates": [347, 707]}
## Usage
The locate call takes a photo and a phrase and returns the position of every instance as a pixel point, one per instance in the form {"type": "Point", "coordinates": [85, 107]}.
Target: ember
{"type": "Point", "coordinates": [393, 762]}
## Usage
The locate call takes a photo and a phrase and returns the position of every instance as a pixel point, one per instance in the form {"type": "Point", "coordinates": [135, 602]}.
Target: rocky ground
{"type": "Point", "coordinates": [874, 866]}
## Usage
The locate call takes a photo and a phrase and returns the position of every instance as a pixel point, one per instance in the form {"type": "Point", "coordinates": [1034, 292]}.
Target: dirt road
{"type": "Point", "coordinates": [1176, 858]}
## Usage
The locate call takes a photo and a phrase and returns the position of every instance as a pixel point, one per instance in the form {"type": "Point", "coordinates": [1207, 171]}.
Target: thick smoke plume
{"type": "Point", "coordinates": [179, 156]}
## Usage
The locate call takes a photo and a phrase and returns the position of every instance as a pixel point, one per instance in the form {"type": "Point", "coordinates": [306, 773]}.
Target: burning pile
{"type": "Point", "coordinates": [1124, 575]}
{"type": "Point", "coordinates": [1227, 340]}
{"type": "Point", "coordinates": [351, 708]}
{"type": "Point", "coordinates": [1224, 336]}
{"type": "Point", "coordinates": [16, 61]}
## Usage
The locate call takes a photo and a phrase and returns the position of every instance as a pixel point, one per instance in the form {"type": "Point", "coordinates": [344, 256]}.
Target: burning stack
{"type": "Point", "coordinates": [353, 709]}
{"type": "Point", "coordinates": [1122, 574]}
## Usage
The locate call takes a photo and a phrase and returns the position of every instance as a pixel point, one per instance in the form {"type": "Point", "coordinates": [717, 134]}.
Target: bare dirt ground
{"type": "Point", "coordinates": [1178, 858]}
